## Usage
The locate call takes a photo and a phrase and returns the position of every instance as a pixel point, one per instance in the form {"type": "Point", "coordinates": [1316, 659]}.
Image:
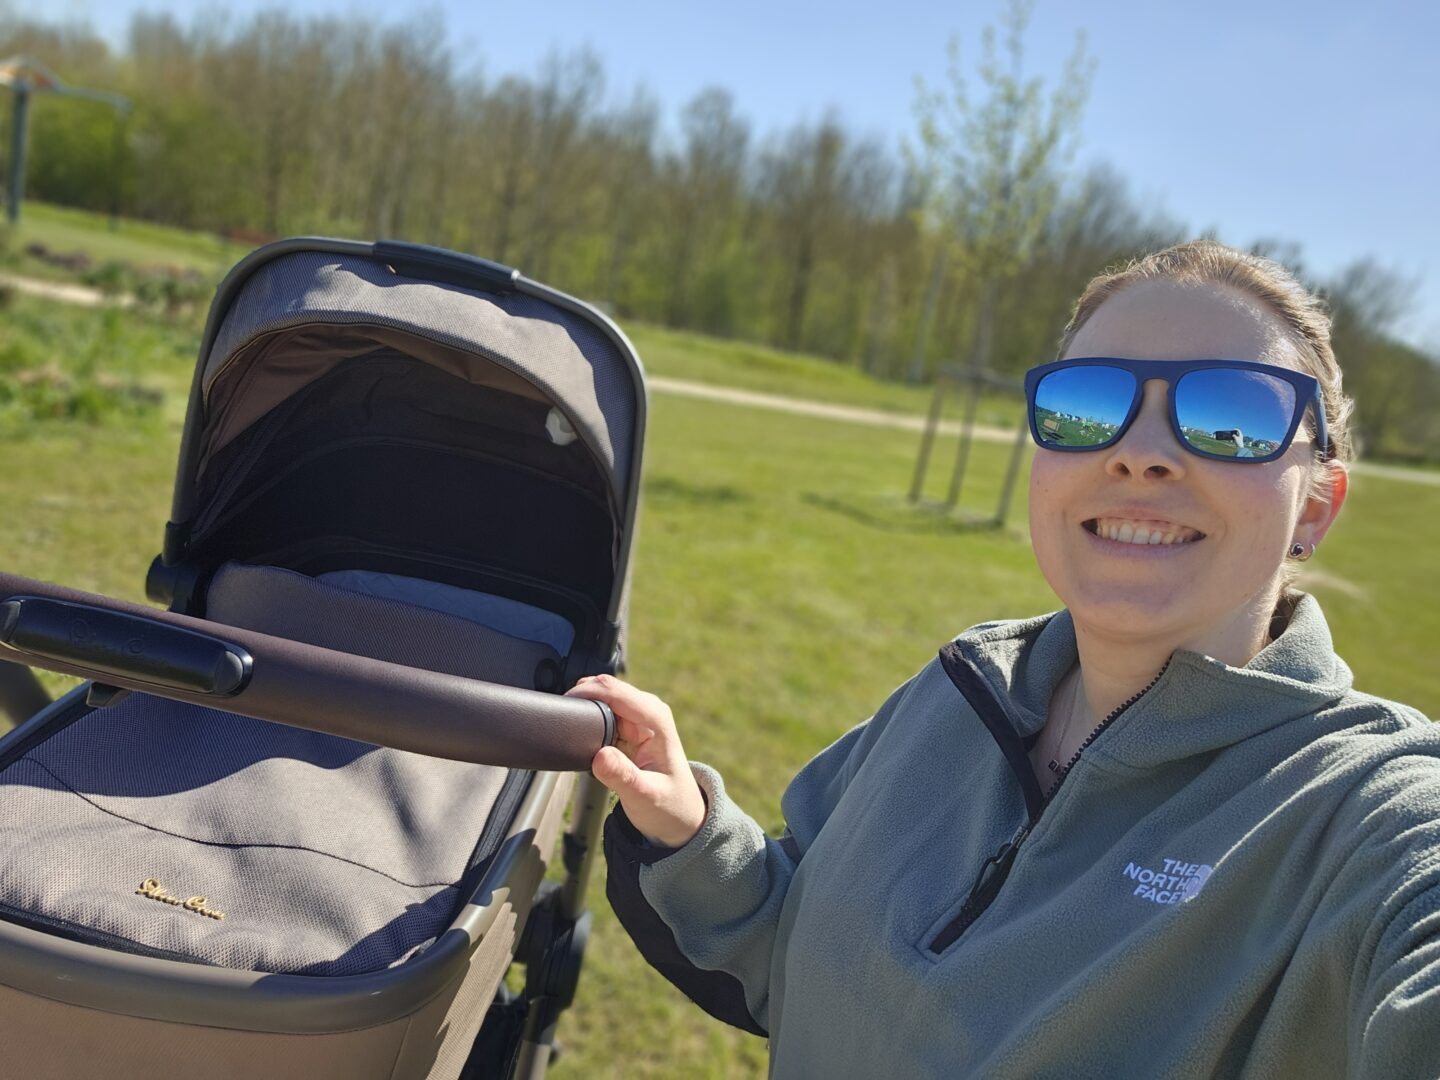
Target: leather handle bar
{"type": "Point", "coordinates": [289, 682]}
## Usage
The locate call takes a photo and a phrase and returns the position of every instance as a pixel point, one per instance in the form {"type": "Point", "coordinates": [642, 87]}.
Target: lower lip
{"type": "Point", "coordinates": [1123, 550]}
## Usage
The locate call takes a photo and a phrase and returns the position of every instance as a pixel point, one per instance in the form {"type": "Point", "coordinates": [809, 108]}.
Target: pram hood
{"type": "Point", "coordinates": [332, 373]}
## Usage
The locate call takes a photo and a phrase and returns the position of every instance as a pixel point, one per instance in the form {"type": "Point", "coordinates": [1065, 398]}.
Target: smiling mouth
{"type": "Point", "coordinates": [1128, 531]}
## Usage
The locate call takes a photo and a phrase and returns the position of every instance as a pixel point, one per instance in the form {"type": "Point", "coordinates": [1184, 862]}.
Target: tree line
{"type": "Point", "coordinates": [969, 247]}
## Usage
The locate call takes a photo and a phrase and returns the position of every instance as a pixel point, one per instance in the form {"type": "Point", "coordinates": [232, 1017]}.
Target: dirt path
{"type": "Point", "coordinates": [824, 410]}
{"type": "Point", "coordinates": [877, 418]}
{"type": "Point", "coordinates": [82, 295]}
{"type": "Point", "coordinates": [88, 297]}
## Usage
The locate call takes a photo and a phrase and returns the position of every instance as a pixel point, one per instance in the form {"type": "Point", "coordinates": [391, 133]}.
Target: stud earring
{"type": "Point", "coordinates": [1300, 552]}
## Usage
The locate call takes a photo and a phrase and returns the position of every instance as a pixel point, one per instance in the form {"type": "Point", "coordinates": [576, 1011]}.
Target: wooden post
{"type": "Point", "coordinates": [967, 431]}
{"type": "Point", "coordinates": [1003, 511]}
{"type": "Point", "coordinates": [927, 438]}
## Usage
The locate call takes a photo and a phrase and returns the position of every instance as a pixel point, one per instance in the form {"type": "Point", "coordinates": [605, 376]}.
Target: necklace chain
{"type": "Point", "coordinates": [1054, 764]}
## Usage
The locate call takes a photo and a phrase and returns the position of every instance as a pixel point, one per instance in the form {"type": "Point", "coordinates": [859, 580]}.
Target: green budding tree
{"type": "Point", "coordinates": [992, 164]}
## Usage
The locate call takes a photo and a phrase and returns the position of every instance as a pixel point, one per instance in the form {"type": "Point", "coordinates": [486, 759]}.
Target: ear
{"type": "Point", "coordinates": [1322, 505]}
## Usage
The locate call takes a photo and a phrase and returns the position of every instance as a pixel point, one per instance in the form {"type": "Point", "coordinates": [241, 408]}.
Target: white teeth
{"type": "Point", "coordinates": [1128, 532]}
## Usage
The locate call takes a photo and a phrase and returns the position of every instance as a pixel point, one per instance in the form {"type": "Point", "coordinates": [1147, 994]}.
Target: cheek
{"type": "Point", "coordinates": [1050, 478]}
{"type": "Point", "coordinates": [1054, 478]}
{"type": "Point", "coordinates": [1266, 507]}
{"type": "Point", "coordinates": [1040, 485]}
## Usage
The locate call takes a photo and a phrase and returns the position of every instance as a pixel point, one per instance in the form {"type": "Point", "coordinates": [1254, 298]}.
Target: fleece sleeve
{"type": "Point", "coordinates": [705, 915]}
{"type": "Point", "coordinates": [1396, 1026]}
{"type": "Point", "coordinates": [1401, 1036]}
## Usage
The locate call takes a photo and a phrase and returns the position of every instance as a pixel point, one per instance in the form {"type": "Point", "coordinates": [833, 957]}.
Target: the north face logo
{"type": "Point", "coordinates": [1174, 882]}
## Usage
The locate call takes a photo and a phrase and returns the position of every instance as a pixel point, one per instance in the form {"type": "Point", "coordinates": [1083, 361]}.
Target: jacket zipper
{"type": "Point", "coordinates": [996, 869]}
{"type": "Point", "coordinates": [1110, 719]}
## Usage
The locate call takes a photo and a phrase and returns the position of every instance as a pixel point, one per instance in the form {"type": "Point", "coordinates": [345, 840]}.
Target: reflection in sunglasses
{"type": "Point", "coordinates": [1071, 429]}
{"type": "Point", "coordinates": [1224, 409]}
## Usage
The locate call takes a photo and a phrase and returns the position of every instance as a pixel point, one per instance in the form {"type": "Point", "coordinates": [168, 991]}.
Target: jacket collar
{"type": "Point", "coordinates": [1199, 705]}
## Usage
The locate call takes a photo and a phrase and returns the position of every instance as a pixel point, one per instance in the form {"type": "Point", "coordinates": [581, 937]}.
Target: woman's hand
{"type": "Point", "coordinates": [647, 766]}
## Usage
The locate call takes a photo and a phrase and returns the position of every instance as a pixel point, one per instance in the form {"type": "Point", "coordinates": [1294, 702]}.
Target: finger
{"type": "Point", "coordinates": [621, 775]}
{"type": "Point", "coordinates": [607, 688]}
{"type": "Point", "coordinates": [612, 768]}
{"type": "Point", "coordinates": [640, 714]}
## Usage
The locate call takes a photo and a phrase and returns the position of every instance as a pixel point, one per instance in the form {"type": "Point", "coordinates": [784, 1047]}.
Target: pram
{"type": "Point", "coordinates": [299, 823]}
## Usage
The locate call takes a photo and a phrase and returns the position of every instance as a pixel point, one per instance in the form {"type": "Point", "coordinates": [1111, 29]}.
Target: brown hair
{"type": "Point", "coordinates": [1301, 312]}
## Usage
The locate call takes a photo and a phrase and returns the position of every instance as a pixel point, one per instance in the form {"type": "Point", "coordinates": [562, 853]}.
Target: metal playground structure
{"type": "Point", "coordinates": [25, 76]}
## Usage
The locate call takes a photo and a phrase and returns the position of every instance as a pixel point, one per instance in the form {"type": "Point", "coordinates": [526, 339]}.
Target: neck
{"type": "Point", "coordinates": [1117, 666]}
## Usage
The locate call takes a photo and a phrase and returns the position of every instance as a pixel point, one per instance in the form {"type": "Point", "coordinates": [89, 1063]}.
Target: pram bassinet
{"type": "Point", "coordinates": [402, 522]}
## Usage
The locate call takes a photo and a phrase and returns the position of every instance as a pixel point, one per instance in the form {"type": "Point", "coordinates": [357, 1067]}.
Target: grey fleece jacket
{"type": "Point", "coordinates": [1240, 877]}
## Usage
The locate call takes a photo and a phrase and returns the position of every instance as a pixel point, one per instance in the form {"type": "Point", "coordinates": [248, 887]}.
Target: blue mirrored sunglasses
{"type": "Point", "coordinates": [1229, 410]}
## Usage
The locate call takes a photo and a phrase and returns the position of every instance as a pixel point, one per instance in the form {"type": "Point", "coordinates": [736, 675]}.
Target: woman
{"type": "Point", "coordinates": [1154, 834]}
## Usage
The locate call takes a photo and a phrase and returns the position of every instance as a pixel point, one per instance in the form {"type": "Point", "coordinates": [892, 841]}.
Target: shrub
{"type": "Point", "coordinates": [111, 278]}
{"type": "Point", "coordinates": [30, 395]}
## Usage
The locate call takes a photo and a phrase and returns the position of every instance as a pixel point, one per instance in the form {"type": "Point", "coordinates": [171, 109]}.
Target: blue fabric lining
{"type": "Point", "coordinates": [497, 612]}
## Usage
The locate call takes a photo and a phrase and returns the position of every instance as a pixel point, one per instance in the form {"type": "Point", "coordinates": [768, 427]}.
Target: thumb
{"type": "Point", "coordinates": [613, 769]}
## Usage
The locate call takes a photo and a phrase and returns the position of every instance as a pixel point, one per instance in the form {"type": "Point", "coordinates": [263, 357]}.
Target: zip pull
{"type": "Point", "coordinates": [992, 875]}
{"type": "Point", "coordinates": [1002, 858]}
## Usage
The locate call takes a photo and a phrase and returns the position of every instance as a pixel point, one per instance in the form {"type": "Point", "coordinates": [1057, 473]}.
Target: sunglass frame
{"type": "Point", "coordinates": [1307, 393]}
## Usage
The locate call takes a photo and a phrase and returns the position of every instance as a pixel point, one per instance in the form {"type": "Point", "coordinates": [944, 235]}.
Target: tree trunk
{"type": "Point", "coordinates": [927, 317]}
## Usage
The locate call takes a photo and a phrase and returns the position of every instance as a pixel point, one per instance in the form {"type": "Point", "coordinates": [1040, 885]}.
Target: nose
{"type": "Point", "coordinates": [1149, 449]}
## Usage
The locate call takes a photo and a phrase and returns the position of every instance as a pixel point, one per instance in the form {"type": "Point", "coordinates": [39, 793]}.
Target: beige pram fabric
{"type": "Point", "coordinates": [313, 854]}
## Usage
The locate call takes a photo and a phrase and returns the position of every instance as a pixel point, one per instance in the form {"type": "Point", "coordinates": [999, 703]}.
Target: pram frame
{"type": "Point", "coordinates": [85, 976]}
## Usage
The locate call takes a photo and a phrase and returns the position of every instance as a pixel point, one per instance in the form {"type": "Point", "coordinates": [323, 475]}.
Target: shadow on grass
{"type": "Point", "coordinates": [676, 491]}
{"type": "Point", "coordinates": [898, 515]}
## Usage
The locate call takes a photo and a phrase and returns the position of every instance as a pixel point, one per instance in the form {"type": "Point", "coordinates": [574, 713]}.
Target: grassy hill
{"type": "Point", "coordinates": [64, 230]}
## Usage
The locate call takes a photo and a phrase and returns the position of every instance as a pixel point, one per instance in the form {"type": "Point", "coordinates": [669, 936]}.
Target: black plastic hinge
{"type": "Point", "coordinates": [102, 695]}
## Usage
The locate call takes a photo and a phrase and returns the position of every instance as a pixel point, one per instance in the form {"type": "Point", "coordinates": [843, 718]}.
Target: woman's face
{"type": "Point", "coordinates": [1214, 591]}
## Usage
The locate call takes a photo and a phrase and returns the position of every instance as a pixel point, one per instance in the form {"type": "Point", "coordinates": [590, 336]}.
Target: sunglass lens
{"type": "Point", "coordinates": [1231, 412]}
{"type": "Point", "coordinates": [1082, 406]}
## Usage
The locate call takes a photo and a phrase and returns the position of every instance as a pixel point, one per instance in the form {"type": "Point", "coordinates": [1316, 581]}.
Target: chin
{"type": "Point", "coordinates": [1135, 609]}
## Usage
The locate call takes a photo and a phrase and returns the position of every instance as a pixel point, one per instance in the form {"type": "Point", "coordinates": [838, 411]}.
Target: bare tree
{"type": "Point", "coordinates": [703, 185]}
{"type": "Point", "coordinates": [824, 190]}
{"type": "Point", "coordinates": [1366, 300]}
{"type": "Point", "coordinates": [566, 98]}
{"type": "Point", "coordinates": [628, 172]}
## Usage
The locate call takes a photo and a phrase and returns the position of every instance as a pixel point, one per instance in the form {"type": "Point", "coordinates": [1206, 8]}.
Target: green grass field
{"type": "Point", "coordinates": [782, 588]}
{"type": "Point", "coordinates": [783, 585]}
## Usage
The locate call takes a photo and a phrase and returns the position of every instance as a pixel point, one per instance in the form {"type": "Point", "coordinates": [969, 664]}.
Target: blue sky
{"type": "Point", "coordinates": [1317, 122]}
